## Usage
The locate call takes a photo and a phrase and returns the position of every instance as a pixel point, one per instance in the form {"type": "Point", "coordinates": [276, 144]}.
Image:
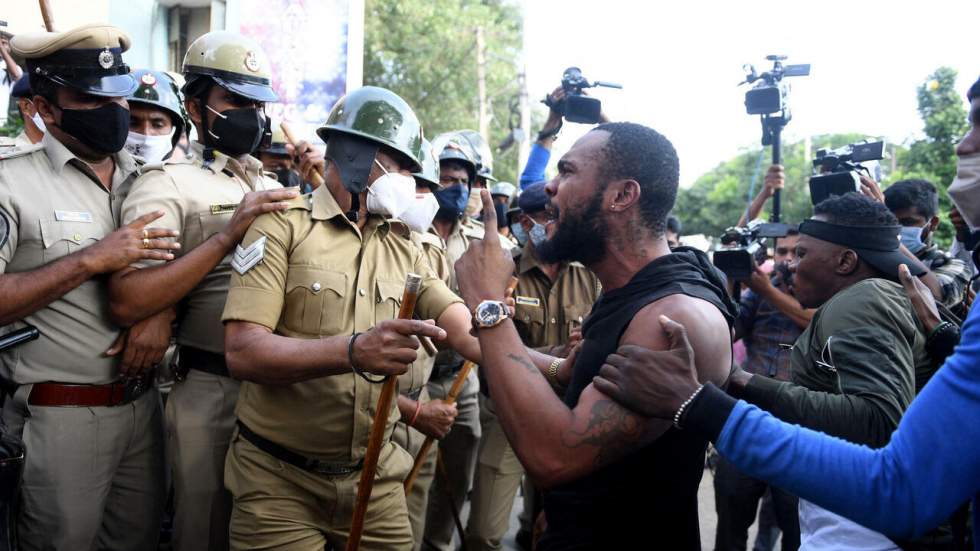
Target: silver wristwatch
{"type": "Point", "coordinates": [489, 313]}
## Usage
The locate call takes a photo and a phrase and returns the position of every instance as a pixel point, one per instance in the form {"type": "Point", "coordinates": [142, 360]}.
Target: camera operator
{"type": "Point", "coordinates": [916, 205]}
{"type": "Point", "coordinates": [770, 318]}
{"type": "Point", "coordinates": [540, 154]}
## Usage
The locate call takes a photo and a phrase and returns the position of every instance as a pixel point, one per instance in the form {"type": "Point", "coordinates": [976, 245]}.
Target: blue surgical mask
{"type": "Point", "coordinates": [538, 234]}
{"type": "Point", "coordinates": [911, 237]}
{"type": "Point", "coordinates": [452, 200]}
{"type": "Point", "coordinates": [518, 232]}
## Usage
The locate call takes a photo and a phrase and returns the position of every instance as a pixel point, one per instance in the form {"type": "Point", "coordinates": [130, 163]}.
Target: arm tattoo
{"type": "Point", "coordinates": [611, 429]}
{"type": "Point", "coordinates": [524, 362]}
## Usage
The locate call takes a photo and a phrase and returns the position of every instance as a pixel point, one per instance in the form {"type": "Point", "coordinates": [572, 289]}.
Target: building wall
{"type": "Point", "coordinates": [146, 22]}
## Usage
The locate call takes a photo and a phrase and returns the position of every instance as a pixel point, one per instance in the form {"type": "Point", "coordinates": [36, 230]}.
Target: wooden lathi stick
{"type": "Point", "coordinates": [288, 132]}
{"type": "Point", "coordinates": [413, 285]}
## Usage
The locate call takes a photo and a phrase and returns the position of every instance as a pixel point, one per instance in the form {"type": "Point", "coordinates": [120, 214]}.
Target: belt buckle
{"type": "Point", "coordinates": [328, 469]}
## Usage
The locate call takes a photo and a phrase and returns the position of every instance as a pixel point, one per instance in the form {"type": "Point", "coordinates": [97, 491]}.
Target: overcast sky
{"type": "Point", "coordinates": [680, 62]}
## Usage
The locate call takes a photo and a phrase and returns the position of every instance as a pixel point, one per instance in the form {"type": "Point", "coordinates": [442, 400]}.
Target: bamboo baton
{"type": "Point", "coordinates": [450, 399]}
{"type": "Point", "coordinates": [413, 284]}
{"type": "Point", "coordinates": [317, 177]}
{"type": "Point", "coordinates": [47, 15]}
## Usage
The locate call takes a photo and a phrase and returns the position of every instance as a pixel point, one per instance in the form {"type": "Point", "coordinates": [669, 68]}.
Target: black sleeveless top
{"type": "Point", "coordinates": [649, 499]}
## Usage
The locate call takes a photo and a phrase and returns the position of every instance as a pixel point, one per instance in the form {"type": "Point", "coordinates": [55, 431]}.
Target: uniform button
{"type": "Point", "coordinates": [527, 318]}
{"type": "Point", "coordinates": [77, 237]}
{"type": "Point", "coordinates": [361, 292]}
{"type": "Point", "coordinates": [553, 320]}
{"type": "Point", "coordinates": [316, 287]}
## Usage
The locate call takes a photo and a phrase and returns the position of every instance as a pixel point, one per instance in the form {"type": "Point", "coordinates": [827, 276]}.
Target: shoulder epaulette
{"type": "Point", "coordinates": [474, 232]}
{"type": "Point", "coordinates": [15, 152]}
{"type": "Point", "coordinates": [430, 239]}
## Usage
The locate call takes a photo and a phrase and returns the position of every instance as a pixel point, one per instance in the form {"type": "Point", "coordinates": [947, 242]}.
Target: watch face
{"type": "Point", "coordinates": [488, 312]}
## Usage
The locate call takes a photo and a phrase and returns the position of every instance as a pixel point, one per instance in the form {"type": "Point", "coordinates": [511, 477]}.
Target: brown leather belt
{"type": "Point", "coordinates": [202, 360]}
{"type": "Point", "coordinates": [109, 395]}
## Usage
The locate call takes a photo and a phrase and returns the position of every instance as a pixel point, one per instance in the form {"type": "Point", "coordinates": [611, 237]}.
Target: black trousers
{"type": "Point", "coordinates": [737, 500]}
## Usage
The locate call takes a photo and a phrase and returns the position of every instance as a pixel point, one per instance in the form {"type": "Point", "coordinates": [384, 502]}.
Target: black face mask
{"type": "Point", "coordinates": [288, 177]}
{"type": "Point", "coordinates": [103, 129]}
{"type": "Point", "coordinates": [237, 132]}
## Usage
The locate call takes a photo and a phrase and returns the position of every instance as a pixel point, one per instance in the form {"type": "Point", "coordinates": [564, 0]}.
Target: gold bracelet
{"type": "Point", "coordinates": [552, 374]}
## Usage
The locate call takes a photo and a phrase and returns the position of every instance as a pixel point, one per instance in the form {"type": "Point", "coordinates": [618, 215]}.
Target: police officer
{"type": "Point", "coordinates": [211, 198]}
{"type": "Point", "coordinates": [94, 472]}
{"type": "Point", "coordinates": [156, 116]}
{"type": "Point", "coordinates": [483, 157]}
{"type": "Point", "coordinates": [551, 300]}
{"type": "Point", "coordinates": [309, 327]}
{"type": "Point", "coordinates": [33, 125]}
{"type": "Point", "coordinates": [420, 416]}
{"type": "Point", "coordinates": [458, 174]}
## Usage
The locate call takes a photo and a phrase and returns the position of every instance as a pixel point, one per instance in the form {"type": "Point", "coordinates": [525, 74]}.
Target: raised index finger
{"type": "Point", "coordinates": [490, 233]}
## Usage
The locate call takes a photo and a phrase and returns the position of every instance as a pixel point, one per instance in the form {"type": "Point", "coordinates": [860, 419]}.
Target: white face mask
{"type": "Point", "coordinates": [418, 217]}
{"type": "Point", "coordinates": [36, 119]}
{"type": "Point", "coordinates": [151, 148]}
{"type": "Point", "coordinates": [391, 194]}
{"type": "Point", "coordinates": [965, 190]}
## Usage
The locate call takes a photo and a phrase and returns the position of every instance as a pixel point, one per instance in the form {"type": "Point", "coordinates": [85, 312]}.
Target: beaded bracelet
{"type": "Point", "coordinates": [680, 410]}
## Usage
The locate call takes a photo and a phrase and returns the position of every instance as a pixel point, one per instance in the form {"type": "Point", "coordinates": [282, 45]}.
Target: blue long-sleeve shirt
{"type": "Point", "coordinates": [537, 161]}
{"type": "Point", "coordinates": [929, 468]}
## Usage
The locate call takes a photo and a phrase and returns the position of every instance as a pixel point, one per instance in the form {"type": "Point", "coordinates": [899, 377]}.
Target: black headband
{"type": "Point", "coordinates": [868, 238]}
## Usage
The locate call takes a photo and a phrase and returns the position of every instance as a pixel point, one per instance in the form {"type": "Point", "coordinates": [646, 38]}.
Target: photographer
{"type": "Point", "coordinates": [916, 205]}
{"type": "Point", "coordinates": [770, 318]}
{"type": "Point", "coordinates": [537, 160]}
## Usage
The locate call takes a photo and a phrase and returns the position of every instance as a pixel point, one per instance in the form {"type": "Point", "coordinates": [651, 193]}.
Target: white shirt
{"type": "Point", "coordinates": [821, 530]}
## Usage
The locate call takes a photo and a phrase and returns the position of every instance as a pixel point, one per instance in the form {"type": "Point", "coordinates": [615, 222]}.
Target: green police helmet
{"type": "Point", "coordinates": [429, 175]}
{"type": "Point", "coordinates": [453, 146]}
{"type": "Point", "coordinates": [160, 90]}
{"type": "Point", "coordinates": [379, 115]}
{"type": "Point", "coordinates": [235, 62]}
{"type": "Point", "coordinates": [484, 155]}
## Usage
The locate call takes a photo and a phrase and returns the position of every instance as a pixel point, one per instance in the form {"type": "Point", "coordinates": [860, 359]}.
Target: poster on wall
{"type": "Point", "coordinates": [314, 47]}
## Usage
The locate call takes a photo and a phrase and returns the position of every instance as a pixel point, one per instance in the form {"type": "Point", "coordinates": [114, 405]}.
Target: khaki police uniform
{"type": "Point", "coordinates": [546, 312]}
{"type": "Point", "coordinates": [413, 385]}
{"type": "Point", "coordinates": [459, 448]}
{"type": "Point", "coordinates": [94, 475]}
{"type": "Point", "coordinates": [319, 276]}
{"type": "Point", "coordinates": [198, 199]}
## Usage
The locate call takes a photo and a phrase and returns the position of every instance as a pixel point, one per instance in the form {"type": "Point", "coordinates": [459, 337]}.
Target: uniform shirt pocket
{"type": "Point", "coordinates": [388, 301]}
{"type": "Point", "coordinates": [315, 301]}
{"type": "Point", "coordinates": [574, 315]}
{"type": "Point", "coordinates": [212, 224]}
{"type": "Point", "coordinates": [63, 238]}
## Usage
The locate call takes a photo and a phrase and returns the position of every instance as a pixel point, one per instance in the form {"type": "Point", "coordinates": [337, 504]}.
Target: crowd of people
{"type": "Point", "coordinates": [212, 308]}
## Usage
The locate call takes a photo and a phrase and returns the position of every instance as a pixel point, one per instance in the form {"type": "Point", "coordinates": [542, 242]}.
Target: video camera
{"type": "Point", "coordinates": [577, 107]}
{"type": "Point", "coordinates": [840, 168]}
{"type": "Point", "coordinates": [770, 95]}
{"type": "Point", "coordinates": [739, 261]}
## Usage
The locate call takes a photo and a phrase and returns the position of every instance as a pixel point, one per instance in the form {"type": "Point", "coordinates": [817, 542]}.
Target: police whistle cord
{"type": "Point", "coordinates": [413, 285]}
{"type": "Point", "coordinates": [287, 131]}
{"type": "Point", "coordinates": [450, 400]}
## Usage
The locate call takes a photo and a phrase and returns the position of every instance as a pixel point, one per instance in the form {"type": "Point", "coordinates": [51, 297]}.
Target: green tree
{"type": "Point", "coordinates": [425, 50]}
{"type": "Point", "coordinates": [718, 198]}
{"type": "Point", "coordinates": [933, 157]}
